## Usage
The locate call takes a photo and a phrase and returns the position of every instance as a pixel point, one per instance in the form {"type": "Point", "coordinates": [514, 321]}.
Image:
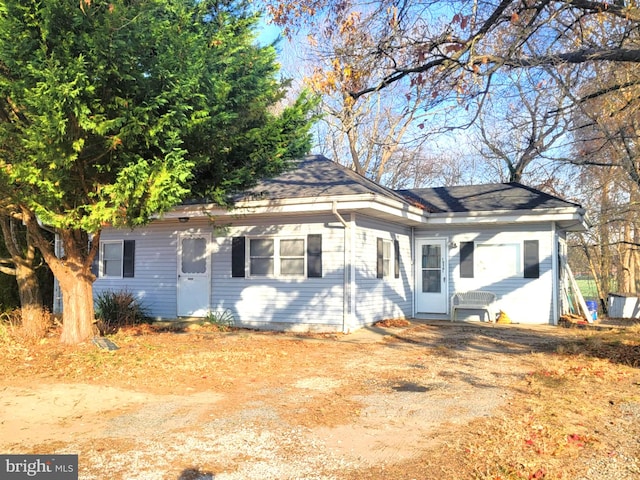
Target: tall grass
{"type": "Point", "coordinates": [13, 324]}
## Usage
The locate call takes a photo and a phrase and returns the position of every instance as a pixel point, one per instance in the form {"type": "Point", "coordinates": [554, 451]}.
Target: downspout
{"type": "Point", "coordinates": [334, 209]}
{"type": "Point", "coordinates": [555, 270]}
{"type": "Point", "coordinates": [413, 273]}
{"type": "Point", "coordinates": [346, 262]}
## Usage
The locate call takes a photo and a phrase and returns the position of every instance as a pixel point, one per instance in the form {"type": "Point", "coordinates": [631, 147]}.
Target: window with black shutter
{"type": "Point", "coordinates": [115, 259]}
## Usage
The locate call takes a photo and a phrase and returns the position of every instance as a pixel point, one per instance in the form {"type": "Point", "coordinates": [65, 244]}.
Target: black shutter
{"type": "Point", "coordinates": [314, 256]}
{"type": "Point", "coordinates": [396, 260]}
{"type": "Point", "coordinates": [531, 259]}
{"type": "Point", "coordinates": [238, 253]}
{"type": "Point", "coordinates": [128, 258]}
{"type": "Point", "coordinates": [380, 259]}
{"type": "Point", "coordinates": [466, 259]}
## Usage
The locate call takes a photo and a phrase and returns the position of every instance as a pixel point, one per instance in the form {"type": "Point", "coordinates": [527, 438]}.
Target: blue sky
{"type": "Point", "coordinates": [269, 32]}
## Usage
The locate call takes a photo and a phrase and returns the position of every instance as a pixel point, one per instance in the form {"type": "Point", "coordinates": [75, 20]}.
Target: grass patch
{"type": "Point", "coordinates": [588, 288]}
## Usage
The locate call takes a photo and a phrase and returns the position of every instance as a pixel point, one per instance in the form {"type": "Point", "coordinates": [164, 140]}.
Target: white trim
{"type": "Point", "coordinates": [380, 204]}
{"type": "Point", "coordinates": [569, 218]}
{"type": "Point", "coordinates": [507, 216]}
{"type": "Point", "coordinates": [444, 259]}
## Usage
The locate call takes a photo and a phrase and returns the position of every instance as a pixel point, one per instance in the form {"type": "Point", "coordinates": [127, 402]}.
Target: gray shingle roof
{"type": "Point", "coordinates": [483, 198]}
{"type": "Point", "coordinates": [315, 176]}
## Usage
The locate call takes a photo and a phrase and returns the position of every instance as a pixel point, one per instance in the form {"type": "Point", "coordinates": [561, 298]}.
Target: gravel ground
{"type": "Point", "coordinates": [382, 403]}
{"type": "Point", "coordinates": [622, 461]}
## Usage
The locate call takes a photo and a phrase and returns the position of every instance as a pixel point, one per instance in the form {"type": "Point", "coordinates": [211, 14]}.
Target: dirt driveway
{"type": "Point", "coordinates": [424, 401]}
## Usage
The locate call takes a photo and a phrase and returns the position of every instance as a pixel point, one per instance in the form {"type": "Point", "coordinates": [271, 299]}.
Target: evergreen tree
{"type": "Point", "coordinates": [114, 111]}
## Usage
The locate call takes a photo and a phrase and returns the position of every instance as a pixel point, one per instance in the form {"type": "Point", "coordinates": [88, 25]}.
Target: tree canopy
{"type": "Point", "coordinates": [114, 111]}
{"type": "Point", "coordinates": [469, 39]}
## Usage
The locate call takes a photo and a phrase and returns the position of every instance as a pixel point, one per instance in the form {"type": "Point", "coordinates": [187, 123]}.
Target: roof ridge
{"type": "Point", "coordinates": [359, 177]}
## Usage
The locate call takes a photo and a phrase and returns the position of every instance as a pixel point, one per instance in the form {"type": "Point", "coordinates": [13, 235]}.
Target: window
{"type": "Point", "coordinates": [117, 258]}
{"type": "Point", "coordinates": [431, 266]}
{"type": "Point", "coordinates": [292, 256]}
{"type": "Point", "coordinates": [193, 257]}
{"type": "Point", "coordinates": [277, 257]}
{"type": "Point", "coordinates": [383, 264]}
{"type": "Point", "coordinates": [496, 261]}
{"type": "Point", "coordinates": [261, 257]}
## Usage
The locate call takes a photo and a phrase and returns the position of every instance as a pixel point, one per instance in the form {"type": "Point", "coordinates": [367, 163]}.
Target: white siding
{"type": "Point", "coordinates": [380, 298]}
{"type": "Point", "coordinates": [323, 303]}
{"type": "Point", "coordinates": [291, 304]}
{"type": "Point", "coordinates": [524, 300]}
{"type": "Point", "coordinates": [298, 303]}
{"type": "Point", "coordinates": [155, 277]}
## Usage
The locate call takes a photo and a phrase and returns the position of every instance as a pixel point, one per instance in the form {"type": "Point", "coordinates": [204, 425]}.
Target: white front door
{"type": "Point", "coordinates": [431, 276]}
{"type": "Point", "coordinates": [194, 273]}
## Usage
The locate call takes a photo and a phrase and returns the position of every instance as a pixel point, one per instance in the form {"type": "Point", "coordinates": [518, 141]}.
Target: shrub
{"type": "Point", "coordinates": [116, 309]}
{"type": "Point", "coordinates": [223, 319]}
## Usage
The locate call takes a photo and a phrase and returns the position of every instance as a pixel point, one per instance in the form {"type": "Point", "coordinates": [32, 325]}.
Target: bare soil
{"type": "Point", "coordinates": [418, 401]}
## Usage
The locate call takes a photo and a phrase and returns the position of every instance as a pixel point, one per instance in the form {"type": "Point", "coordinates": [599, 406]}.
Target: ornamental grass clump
{"type": "Point", "coordinates": [117, 309]}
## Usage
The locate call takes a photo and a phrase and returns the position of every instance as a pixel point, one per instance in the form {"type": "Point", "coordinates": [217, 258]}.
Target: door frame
{"type": "Point", "coordinates": [444, 259]}
{"type": "Point", "coordinates": [206, 275]}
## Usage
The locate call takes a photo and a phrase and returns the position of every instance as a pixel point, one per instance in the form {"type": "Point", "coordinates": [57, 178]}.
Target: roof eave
{"type": "Point", "coordinates": [564, 216]}
{"type": "Point", "coordinates": [369, 202]}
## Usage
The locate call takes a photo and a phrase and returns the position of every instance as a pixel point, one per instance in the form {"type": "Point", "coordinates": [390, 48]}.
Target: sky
{"type": "Point", "coordinates": [268, 34]}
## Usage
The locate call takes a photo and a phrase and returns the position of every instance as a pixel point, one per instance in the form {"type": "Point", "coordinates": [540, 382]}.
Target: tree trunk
{"type": "Point", "coordinates": [78, 314]}
{"type": "Point", "coordinates": [23, 256]}
{"type": "Point", "coordinates": [73, 272]}
{"type": "Point", "coordinates": [31, 309]}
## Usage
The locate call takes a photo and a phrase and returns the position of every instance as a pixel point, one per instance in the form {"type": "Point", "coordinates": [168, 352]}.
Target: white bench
{"type": "Point", "coordinates": [473, 300]}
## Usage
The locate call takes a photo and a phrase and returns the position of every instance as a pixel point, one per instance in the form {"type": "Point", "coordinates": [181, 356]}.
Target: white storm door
{"type": "Point", "coordinates": [431, 276]}
{"type": "Point", "coordinates": [194, 275]}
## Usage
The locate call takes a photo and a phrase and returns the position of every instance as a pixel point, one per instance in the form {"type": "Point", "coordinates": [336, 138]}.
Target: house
{"type": "Point", "coordinates": [321, 248]}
